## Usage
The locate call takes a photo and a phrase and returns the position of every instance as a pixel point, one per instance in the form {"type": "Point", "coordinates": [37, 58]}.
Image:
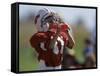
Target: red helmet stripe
{"type": "Point", "coordinates": [36, 18]}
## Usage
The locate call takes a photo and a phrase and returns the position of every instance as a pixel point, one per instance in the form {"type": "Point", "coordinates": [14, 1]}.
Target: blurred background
{"type": "Point", "coordinates": [81, 20]}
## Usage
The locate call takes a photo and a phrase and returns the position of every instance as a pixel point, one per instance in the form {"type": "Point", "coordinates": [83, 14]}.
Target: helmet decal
{"type": "Point", "coordinates": [36, 18]}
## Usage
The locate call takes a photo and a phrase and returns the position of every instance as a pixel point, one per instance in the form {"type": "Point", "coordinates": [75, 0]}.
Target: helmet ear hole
{"type": "Point", "coordinates": [45, 27]}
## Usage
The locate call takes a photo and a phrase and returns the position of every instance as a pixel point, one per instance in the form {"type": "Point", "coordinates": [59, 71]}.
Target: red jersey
{"type": "Point", "coordinates": [41, 41]}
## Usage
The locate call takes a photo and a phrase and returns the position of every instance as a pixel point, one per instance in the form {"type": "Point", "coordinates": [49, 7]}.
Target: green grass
{"type": "Point", "coordinates": [28, 56]}
{"type": "Point", "coordinates": [27, 59]}
{"type": "Point", "coordinates": [80, 34]}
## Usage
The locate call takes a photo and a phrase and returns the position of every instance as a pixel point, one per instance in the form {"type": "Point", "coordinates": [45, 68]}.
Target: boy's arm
{"type": "Point", "coordinates": [66, 28]}
{"type": "Point", "coordinates": [71, 41]}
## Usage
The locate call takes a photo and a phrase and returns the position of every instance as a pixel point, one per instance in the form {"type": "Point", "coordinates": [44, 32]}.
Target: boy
{"type": "Point", "coordinates": [52, 36]}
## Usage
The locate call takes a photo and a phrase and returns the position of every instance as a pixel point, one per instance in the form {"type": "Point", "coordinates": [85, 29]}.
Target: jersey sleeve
{"type": "Point", "coordinates": [36, 39]}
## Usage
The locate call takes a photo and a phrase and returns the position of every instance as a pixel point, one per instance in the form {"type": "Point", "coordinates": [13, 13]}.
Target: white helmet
{"type": "Point", "coordinates": [40, 17]}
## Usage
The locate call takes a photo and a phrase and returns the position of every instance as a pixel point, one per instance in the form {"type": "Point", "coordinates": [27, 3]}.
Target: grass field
{"type": "Point", "coordinates": [79, 35]}
{"type": "Point", "coordinates": [28, 56]}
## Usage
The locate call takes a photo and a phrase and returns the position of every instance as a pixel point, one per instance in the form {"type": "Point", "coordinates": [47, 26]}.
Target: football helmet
{"type": "Point", "coordinates": [44, 17]}
{"type": "Point", "coordinates": [41, 20]}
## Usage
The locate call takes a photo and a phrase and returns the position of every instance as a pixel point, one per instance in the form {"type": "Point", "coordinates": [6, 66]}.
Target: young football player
{"type": "Point", "coordinates": [52, 36]}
